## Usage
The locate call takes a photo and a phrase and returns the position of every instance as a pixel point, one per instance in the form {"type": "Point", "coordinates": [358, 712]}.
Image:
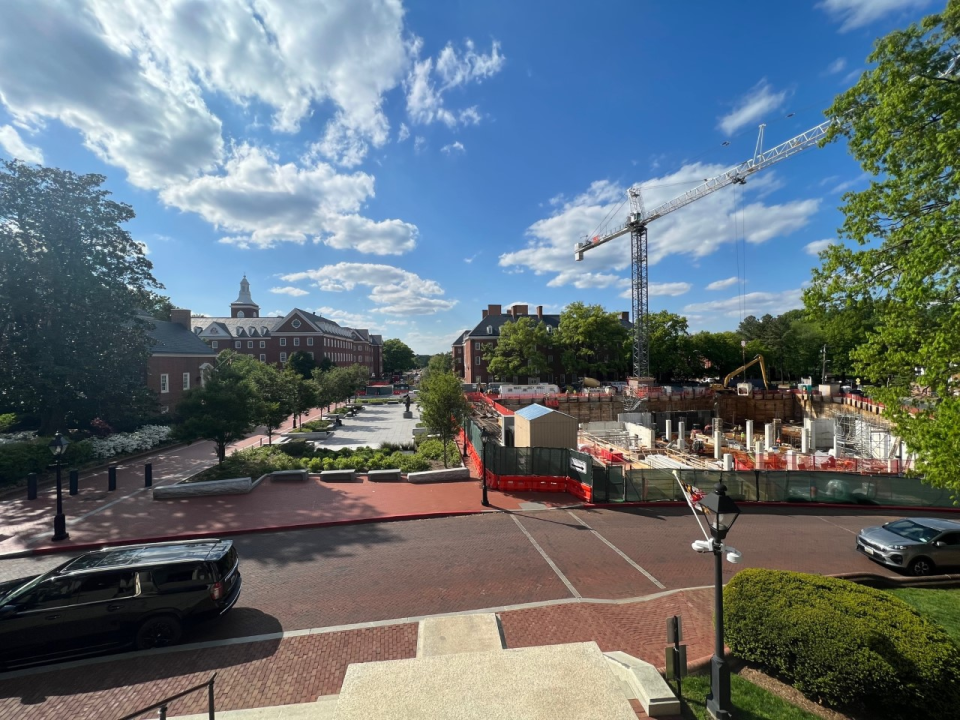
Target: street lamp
{"type": "Point", "coordinates": [722, 512]}
{"type": "Point", "coordinates": [484, 436]}
{"type": "Point", "coordinates": [57, 446]}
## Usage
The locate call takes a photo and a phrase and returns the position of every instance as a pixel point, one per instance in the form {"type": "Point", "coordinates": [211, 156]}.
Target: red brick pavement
{"type": "Point", "coordinates": [261, 674]}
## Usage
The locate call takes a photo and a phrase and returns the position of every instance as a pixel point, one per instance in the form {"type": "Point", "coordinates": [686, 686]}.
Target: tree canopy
{"type": "Point", "coordinates": [594, 342]}
{"type": "Point", "coordinates": [442, 405]}
{"type": "Point", "coordinates": [397, 356]}
{"type": "Point", "coordinates": [901, 266]}
{"type": "Point", "coordinates": [71, 278]}
{"type": "Point", "coordinates": [520, 351]}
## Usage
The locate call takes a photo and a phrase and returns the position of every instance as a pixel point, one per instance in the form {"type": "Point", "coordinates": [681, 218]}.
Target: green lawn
{"type": "Point", "coordinates": [750, 702]}
{"type": "Point", "coordinates": [941, 606]}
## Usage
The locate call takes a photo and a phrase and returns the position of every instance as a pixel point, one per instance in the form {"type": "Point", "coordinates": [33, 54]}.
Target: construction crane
{"type": "Point", "coordinates": [639, 218]}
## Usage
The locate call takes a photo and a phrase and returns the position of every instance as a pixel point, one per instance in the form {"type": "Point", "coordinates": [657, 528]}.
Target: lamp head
{"type": "Point", "coordinates": [721, 511]}
{"type": "Point", "coordinates": [58, 445]}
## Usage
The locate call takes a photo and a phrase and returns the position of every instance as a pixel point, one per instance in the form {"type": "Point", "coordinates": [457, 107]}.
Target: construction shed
{"type": "Point", "coordinates": [539, 426]}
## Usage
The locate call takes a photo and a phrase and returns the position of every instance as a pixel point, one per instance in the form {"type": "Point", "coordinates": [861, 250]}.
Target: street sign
{"type": "Point", "coordinates": [674, 630]}
{"type": "Point", "coordinates": [676, 662]}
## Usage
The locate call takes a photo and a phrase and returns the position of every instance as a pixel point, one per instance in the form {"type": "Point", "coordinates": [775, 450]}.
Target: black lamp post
{"type": "Point", "coordinates": [484, 436]}
{"type": "Point", "coordinates": [57, 446]}
{"type": "Point", "coordinates": [722, 512]}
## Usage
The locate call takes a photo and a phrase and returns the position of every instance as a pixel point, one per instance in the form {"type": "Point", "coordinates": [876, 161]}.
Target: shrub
{"type": "Point", "coordinates": [7, 421]}
{"type": "Point", "coordinates": [18, 459]}
{"type": "Point", "coordinates": [100, 428]}
{"type": "Point", "coordinates": [297, 448]}
{"type": "Point", "coordinates": [842, 643]}
{"type": "Point", "coordinates": [409, 463]}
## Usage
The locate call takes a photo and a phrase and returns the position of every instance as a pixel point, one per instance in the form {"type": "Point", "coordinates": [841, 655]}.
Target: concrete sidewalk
{"type": "Point", "coordinates": [130, 514]}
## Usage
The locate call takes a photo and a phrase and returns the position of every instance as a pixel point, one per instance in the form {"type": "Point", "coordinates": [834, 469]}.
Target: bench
{"type": "Point", "coordinates": [338, 475]}
{"type": "Point", "coordinates": [288, 475]}
{"type": "Point", "coordinates": [385, 475]}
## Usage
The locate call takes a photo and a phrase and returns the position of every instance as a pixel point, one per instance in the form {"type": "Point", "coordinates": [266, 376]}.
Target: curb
{"type": "Point", "coordinates": [81, 547]}
{"type": "Point", "coordinates": [777, 504]}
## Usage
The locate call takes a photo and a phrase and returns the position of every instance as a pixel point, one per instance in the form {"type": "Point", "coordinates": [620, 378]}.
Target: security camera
{"type": "Point", "coordinates": [733, 555]}
{"type": "Point", "coordinates": [702, 546]}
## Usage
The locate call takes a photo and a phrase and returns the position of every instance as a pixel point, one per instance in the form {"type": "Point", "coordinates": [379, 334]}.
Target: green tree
{"type": "Point", "coordinates": [303, 392]}
{"type": "Point", "coordinates": [672, 354]}
{"type": "Point", "coordinates": [223, 409]}
{"type": "Point", "coordinates": [274, 397]}
{"type": "Point", "coordinates": [716, 354]}
{"type": "Point", "coordinates": [302, 363]}
{"type": "Point", "coordinates": [71, 278]}
{"type": "Point", "coordinates": [442, 406]}
{"type": "Point", "coordinates": [901, 122]}
{"type": "Point", "coordinates": [397, 357]}
{"type": "Point", "coordinates": [520, 350]}
{"type": "Point", "coordinates": [593, 341]}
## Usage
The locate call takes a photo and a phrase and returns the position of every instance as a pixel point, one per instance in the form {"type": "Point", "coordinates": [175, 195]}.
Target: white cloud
{"type": "Point", "coordinates": [818, 246]}
{"type": "Point", "coordinates": [430, 79]}
{"type": "Point", "coordinates": [673, 289]}
{"type": "Point", "coordinates": [470, 259]}
{"type": "Point", "coordinates": [722, 284]}
{"type": "Point", "coordinates": [836, 66]}
{"type": "Point", "coordinates": [392, 290]}
{"type": "Point", "coordinates": [452, 148]}
{"type": "Point", "coordinates": [697, 230]}
{"type": "Point", "coordinates": [404, 132]}
{"type": "Point", "coordinates": [387, 237]}
{"type": "Point", "coordinates": [847, 184]}
{"type": "Point", "coordinates": [347, 318]}
{"type": "Point", "coordinates": [852, 76]}
{"type": "Point", "coordinates": [144, 247]}
{"type": "Point", "coordinates": [347, 145]}
{"type": "Point", "coordinates": [756, 303]}
{"type": "Point", "coordinates": [759, 101]}
{"type": "Point", "coordinates": [289, 290]}
{"type": "Point", "coordinates": [857, 13]}
{"type": "Point", "coordinates": [15, 147]}
{"type": "Point", "coordinates": [419, 143]}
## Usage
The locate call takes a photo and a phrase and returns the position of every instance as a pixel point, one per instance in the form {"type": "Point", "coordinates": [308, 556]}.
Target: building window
{"type": "Point", "coordinates": [296, 342]}
{"type": "Point", "coordinates": [549, 358]}
{"type": "Point", "coordinates": [263, 358]}
{"type": "Point", "coordinates": [237, 344]}
{"type": "Point", "coordinates": [186, 381]}
{"type": "Point", "coordinates": [213, 344]}
{"type": "Point", "coordinates": [249, 344]}
{"type": "Point", "coordinates": [283, 342]}
{"type": "Point", "coordinates": [263, 343]}
{"type": "Point", "coordinates": [476, 362]}
{"type": "Point", "coordinates": [311, 355]}
{"type": "Point", "coordinates": [283, 357]}
{"type": "Point", "coordinates": [164, 383]}
{"type": "Point", "coordinates": [476, 345]}
{"type": "Point", "coordinates": [164, 409]}
{"type": "Point", "coordinates": [296, 323]}
{"type": "Point", "coordinates": [239, 313]}
{"type": "Point", "coordinates": [309, 341]}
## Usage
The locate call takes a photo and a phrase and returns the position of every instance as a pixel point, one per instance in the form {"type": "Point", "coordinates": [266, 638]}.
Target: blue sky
{"type": "Point", "coordinates": [400, 166]}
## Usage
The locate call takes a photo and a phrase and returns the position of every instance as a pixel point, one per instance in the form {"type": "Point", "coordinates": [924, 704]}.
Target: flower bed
{"type": "Point", "coordinates": [146, 438]}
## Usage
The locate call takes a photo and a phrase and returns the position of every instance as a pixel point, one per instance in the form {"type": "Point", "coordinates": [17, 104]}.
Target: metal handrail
{"type": "Point", "coordinates": [162, 704]}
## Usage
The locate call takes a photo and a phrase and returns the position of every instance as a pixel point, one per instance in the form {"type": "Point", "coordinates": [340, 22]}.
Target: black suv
{"type": "Point", "coordinates": [137, 595]}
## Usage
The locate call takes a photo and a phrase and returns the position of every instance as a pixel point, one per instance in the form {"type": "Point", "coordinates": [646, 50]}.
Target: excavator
{"type": "Point", "coordinates": [743, 388]}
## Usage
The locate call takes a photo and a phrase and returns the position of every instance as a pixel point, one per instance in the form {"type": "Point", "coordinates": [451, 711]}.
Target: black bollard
{"type": "Point", "coordinates": [32, 486]}
{"type": "Point", "coordinates": [74, 482]}
{"type": "Point", "coordinates": [148, 475]}
{"type": "Point", "coordinates": [112, 477]}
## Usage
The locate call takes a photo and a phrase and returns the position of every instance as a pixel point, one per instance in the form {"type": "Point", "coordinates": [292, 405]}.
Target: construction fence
{"type": "Point", "coordinates": [580, 474]}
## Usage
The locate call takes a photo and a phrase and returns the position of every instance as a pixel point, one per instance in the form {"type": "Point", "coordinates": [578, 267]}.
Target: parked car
{"type": "Point", "coordinates": [139, 595]}
{"type": "Point", "coordinates": [917, 545]}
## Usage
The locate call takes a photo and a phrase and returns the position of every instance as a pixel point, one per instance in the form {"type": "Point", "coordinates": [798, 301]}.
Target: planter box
{"type": "Point", "coordinates": [339, 475]}
{"type": "Point", "coordinates": [431, 476]}
{"type": "Point", "coordinates": [319, 435]}
{"type": "Point", "coordinates": [385, 476]}
{"type": "Point", "coordinates": [231, 486]}
{"type": "Point", "coordinates": [289, 475]}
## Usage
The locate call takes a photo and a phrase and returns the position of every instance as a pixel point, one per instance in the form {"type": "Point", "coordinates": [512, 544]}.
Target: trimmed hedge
{"type": "Point", "coordinates": [844, 644]}
{"type": "Point", "coordinates": [18, 459]}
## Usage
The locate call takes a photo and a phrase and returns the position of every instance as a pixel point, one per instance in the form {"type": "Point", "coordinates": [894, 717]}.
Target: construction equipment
{"type": "Point", "coordinates": [726, 381]}
{"type": "Point", "coordinates": [639, 218]}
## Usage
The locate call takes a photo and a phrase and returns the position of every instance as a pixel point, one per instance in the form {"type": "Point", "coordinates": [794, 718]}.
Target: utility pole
{"type": "Point", "coordinates": [823, 372]}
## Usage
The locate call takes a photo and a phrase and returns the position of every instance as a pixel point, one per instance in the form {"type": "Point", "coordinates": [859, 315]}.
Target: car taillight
{"type": "Point", "coordinates": [216, 592]}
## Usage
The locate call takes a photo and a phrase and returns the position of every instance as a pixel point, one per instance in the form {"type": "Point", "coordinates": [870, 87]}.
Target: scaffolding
{"type": "Point", "coordinates": [857, 437]}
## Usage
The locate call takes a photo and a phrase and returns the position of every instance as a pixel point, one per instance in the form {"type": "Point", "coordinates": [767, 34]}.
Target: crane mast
{"type": "Point", "coordinates": [639, 218]}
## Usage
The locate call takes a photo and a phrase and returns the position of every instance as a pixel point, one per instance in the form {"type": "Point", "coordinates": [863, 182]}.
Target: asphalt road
{"type": "Point", "coordinates": [335, 576]}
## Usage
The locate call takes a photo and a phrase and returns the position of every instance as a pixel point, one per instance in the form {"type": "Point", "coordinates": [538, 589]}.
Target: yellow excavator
{"type": "Point", "coordinates": [726, 381]}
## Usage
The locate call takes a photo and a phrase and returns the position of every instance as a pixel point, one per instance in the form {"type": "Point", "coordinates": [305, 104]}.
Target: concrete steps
{"type": "Point", "coordinates": [323, 709]}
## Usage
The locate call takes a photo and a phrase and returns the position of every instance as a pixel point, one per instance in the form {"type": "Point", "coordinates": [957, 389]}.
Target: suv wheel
{"type": "Point", "coordinates": [921, 566]}
{"type": "Point", "coordinates": [158, 631]}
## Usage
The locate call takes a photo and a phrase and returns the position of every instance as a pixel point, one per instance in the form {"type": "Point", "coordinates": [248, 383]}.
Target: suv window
{"type": "Point", "coordinates": [52, 593]}
{"type": "Point", "coordinates": [950, 538]}
{"type": "Point", "coordinates": [180, 576]}
{"type": "Point", "coordinates": [227, 562]}
{"type": "Point", "coordinates": [99, 587]}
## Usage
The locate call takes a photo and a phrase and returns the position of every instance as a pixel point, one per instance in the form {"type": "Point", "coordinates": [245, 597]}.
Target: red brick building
{"type": "Point", "coordinates": [274, 339]}
{"type": "Point", "coordinates": [177, 359]}
{"type": "Point", "coordinates": [469, 348]}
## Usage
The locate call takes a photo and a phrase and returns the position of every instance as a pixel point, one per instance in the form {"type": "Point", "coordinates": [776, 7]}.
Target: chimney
{"type": "Point", "coordinates": [540, 311]}
{"type": "Point", "coordinates": [180, 317]}
{"type": "Point", "coordinates": [519, 310]}
{"type": "Point", "coordinates": [484, 315]}
{"type": "Point", "coordinates": [625, 315]}
{"type": "Point", "coordinates": [494, 310]}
